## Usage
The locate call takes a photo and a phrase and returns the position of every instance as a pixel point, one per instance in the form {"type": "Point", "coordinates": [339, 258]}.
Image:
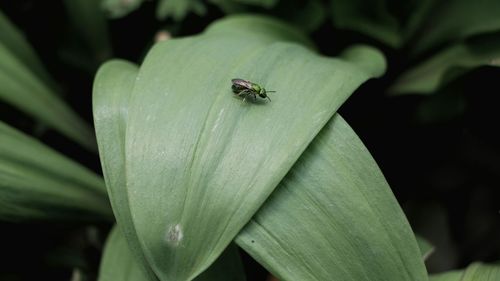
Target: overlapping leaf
{"type": "Point", "coordinates": [13, 39]}
{"type": "Point", "coordinates": [333, 217]}
{"type": "Point", "coordinates": [178, 9]}
{"type": "Point", "coordinates": [37, 182]}
{"type": "Point", "coordinates": [25, 85]}
{"type": "Point", "coordinates": [449, 64]}
{"type": "Point", "coordinates": [426, 248]}
{"type": "Point", "coordinates": [198, 161]}
{"type": "Point", "coordinates": [474, 272]}
{"type": "Point", "coordinates": [89, 21]}
{"type": "Point", "coordinates": [118, 263]}
{"type": "Point", "coordinates": [112, 90]}
{"type": "Point", "coordinates": [453, 21]}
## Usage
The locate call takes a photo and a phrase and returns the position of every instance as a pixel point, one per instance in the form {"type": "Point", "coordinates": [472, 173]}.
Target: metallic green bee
{"type": "Point", "coordinates": [245, 88]}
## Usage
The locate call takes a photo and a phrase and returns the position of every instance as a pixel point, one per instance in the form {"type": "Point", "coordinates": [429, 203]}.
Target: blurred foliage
{"type": "Point", "coordinates": [429, 121]}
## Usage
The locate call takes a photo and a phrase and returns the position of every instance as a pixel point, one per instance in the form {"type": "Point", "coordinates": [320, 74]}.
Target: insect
{"type": "Point", "coordinates": [245, 88]}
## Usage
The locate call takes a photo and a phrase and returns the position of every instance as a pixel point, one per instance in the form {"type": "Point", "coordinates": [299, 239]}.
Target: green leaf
{"type": "Point", "coordinates": [474, 272]}
{"type": "Point", "coordinates": [13, 39]}
{"type": "Point", "coordinates": [178, 9]}
{"type": "Point", "coordinates": [482, 272]}
{"type": "Point", "coordinates": [112, 89]}
{"type": "Point", "coordinates": [334, 217]}
{"type": "Point", "coordinates": [368, 17]}
{"type": "Point", "coordinates": [449, 64]}
{"type": "Point", "coordinates": [306, 15]}
{"type": "Point", "coordinates": [20, 88]}
{"type": "Point", "coordinates": [455, 20]}
{"type": "Point", "coordinates": [199, 162]}
{"type": "Point", "coordinates": [262, 28]}
{"type": "Point", "coordinates": [118, 263]}
{"type": "Point", "coordinates": [37, 182]}
{"type": "Point", "coordinates": [89, 20]}
{"type": "Point", "coordinates": [120, 8]}
{"type": "Point", "coordinates": [426, 248]}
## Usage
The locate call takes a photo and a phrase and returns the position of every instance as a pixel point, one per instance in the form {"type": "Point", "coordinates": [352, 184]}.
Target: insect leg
{"type": "Point", "coordinates": [244, 94]}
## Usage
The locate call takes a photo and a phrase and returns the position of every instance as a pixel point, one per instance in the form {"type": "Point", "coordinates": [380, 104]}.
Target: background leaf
{"type": "Point", "coordinates": [334, 207]}
{"type": "Point", "coordinates": [368, 17]}
{"type": "Point", "coordinates": [13, 39]}
{"type": "Point", "coordinates": [449, 21]}
{"type": "Point", "coordinates": [199, 162]}
{"type": "Point", "coordinates": [426, 248]}
{"type": "Point", "coordinates": [37, 182]}
{"type": "Point", "coordinates": [178, 9]}
{"type": "Point", "coordinates": [23, 90]}
{"type": "Point", "coordinates": [120, 8]}
{"type": "Point", "coordinates": [447, 65]}
{"type": "Point", "coordinates": [474, 272]}
{"type": "Point", "coordinates": [89, 21]}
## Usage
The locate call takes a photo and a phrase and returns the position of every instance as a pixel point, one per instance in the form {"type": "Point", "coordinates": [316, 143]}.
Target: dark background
{"type": "Point", "coordinates": [439, 153]}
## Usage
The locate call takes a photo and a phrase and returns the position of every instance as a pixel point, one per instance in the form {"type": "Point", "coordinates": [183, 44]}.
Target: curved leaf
{"type": "Point", "coordinates": [37, 182]}
{"type": "Point", "coordinates": [449, 64]}
{"type": "Point", "coordinates": [456, 20]}
{"type": "Point", "coordinates": [199, 161]}
{"type": "Point", "coordinates": [474, 272]}
{"type": "Point", "coordinates": [368, 17]}
{"type": "Point", "coordinates": [333, 217]}
{"type": "Point", "coordinates": [16, 43]}
{"type": "Point", "coordinates": [118, 263]}
{"type": "Point", "coordinates": [22, 89]}
{"type": "Point", "coordinates": [112, 89]}
{"type": "Point", "coordinates": [426, 248]}
{"type": "Point", "coordinates": [178, 9]}
{"type": "Point", "coordinates": [89, 21]}
{"type": "Point", "coordinates": [261, 28]}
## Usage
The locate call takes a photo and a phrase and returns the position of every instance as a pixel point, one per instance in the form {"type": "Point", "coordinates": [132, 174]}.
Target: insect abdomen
{"type": "Point", "coordinates": [237, 88]}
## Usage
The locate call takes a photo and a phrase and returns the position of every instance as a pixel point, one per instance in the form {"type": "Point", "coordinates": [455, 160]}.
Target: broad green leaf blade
{"type": "Point", "coordinates": [199, 161]}
{"type": "Point", "coordinates": [333, 217]}
{"type": "Point", "coordinates": [449, 64]}
{"type": "Point", "coordinates": [37, 182]}
{"type": "Point", "coordinates": [262, 28]}
{"type": "Point", "coordinates": [474, 272]}
{"type": "Point", "coordinates": [482, 272]}
{"type": "Point", "coordinates": [118, 263]}
{"type": "Point", "coordinates": [120, 8]}
{"type": "Point", "coordinates": [456, 20]}
{"type": "Point", "coordinates": [90, 22]}
{"type": "Point", "coordinates": [20, 88]}
{"type": "Point", "coordinates": [178, 9]}
{"type": "Point", "coordinates": [13, 39]}
{"type": "Point", "coordinates": [112, 89]}
{"type": "Point", "coordinates": [368, 17]}
{"type": "Point", "coordinates": [426, 248]}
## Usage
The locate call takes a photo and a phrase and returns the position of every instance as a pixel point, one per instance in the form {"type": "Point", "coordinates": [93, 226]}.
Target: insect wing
{"type": "Point", "coordinates": [242, 83]}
